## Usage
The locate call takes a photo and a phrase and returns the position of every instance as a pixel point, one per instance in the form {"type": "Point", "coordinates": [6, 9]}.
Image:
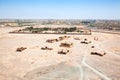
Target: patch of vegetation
{"type": "Point", "coordinates": [52, 30]}
{"type": "Point", "coordinates": [36, 30]}
{"type": "Point", "coordinates": [91, 25]}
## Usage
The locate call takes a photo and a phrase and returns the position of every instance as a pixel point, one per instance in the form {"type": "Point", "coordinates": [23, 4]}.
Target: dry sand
{"type": "Point", "coordinates": [36, 64]}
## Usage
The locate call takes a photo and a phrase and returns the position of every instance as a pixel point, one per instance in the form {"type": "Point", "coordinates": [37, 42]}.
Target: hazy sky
{"type": "Point", "coordinates": [60, 9]}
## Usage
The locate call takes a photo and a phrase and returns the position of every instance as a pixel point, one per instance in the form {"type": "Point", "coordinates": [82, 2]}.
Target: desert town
{"type": "Point", "coordinates": [58, 56]}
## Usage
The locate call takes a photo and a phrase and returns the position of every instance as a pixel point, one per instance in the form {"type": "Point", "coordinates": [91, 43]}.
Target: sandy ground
{"type": "Point", "coordinates": [36, 64]}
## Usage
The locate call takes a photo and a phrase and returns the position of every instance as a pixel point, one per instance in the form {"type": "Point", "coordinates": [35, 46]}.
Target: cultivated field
{"type": "Point", "coordinates": [36, 64]}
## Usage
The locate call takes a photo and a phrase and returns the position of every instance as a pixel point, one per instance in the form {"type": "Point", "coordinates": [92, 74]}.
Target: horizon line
{"type": "Point", "coordinates": [51, 19]}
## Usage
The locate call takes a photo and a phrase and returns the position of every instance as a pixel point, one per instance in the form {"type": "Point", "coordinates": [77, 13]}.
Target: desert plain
{"type": "Point", "coordinates": [36, 64]}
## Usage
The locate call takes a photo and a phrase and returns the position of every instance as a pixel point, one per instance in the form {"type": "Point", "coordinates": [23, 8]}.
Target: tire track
{"type": "Point", "coordinates": [97, 72]}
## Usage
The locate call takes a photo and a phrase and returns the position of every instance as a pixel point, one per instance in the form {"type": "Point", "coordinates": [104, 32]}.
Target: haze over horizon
{"type": "Point", "coordinates": [60, 9]}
